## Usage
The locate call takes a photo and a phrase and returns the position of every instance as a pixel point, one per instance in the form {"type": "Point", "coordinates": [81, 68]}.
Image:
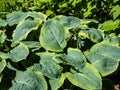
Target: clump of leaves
{"type": "Point", "coordinates": [50, 53]}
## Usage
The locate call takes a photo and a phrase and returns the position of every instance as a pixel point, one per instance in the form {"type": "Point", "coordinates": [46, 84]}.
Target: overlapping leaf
{"type": "Point", "coordinates": [75, 58]}
{"type": "Point", "coordinates": [105, 57]}
{"type": "Point", "coordinates": [57, 83]}
{"type": "Point", "coordinates": [89, 79]}
{"type": "Point", "coordinates": [48, 66]}
{"type": "Point", "coordinates": [29, 81]}
{"type": "Point", "coordinates": [19, 53]}
{"type": "Point", "coordinates": [92, 34]}
{"type": "Point", "coordinates": [23, 29]}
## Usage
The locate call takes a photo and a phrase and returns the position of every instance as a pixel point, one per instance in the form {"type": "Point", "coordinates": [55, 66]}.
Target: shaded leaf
{"type": "Point", "coordinates": [89, 79]}
{"type": "Point", "coordinates": [75, 58]}
{"type": "Point", "coordinates": [105, 57]}
{"type": "Point", "coordinates": [53, 35]}
{"type": "Point", "coordinates": [57, 83]}
{"type": "Point", "coordinates": [29, 81]}
{"type": "Point", "coordinates": [19, 53]}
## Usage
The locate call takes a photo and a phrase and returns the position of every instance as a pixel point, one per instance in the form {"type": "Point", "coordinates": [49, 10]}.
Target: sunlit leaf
{"type": "Point", "coordinates": [53, 35]}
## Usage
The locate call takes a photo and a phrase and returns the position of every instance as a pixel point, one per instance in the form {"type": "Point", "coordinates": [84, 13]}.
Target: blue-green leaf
{"type": "Point", "coordinates": [57, 82]}
{"type": "Point", "coordinates": [23, 29]}
{"type": "Point", "coordinates": [105, 57]}
{"type": "Point", "coordinates": [89, 79]}
{"type": "Point", "coordinates": [29, 81]}
{"type": "Point", "coordinates": [53, 36]}
{"type": "Point", "coordinates": [75, 58]}
{"type": "Point", "coordinates": [19, 53]}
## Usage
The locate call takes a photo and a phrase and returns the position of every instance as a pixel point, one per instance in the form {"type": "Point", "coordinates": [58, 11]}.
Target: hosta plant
{"type": "Point", "coordinates": [63, 52]}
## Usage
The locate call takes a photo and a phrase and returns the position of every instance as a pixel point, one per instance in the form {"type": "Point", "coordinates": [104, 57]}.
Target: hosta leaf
{"type": "Point", "coordinates": [3, 23]}
{"type": "Point", "coordinates": [75, 58]}
{"type": "Point", "coordinates": [69, 21]}
{"type": "Point", "coordinates": [73, 22]}
{"type": "Point", "coordinates": [32, 44]}
{"type": "Point", "coordinates": [105, 57]}
{"type": "Point", "coordinates": [19, 53]}
{"type": "Point", "coordinates": [2, 64]}
{"type": "Point", "coordinates": [23, 29]}
{"type": "Point", "coordinates": [53, 35]}
{"type": "Point", "coordinates": [15, 17]}
{"type": "Point", "coordinates": [57, 83]}
{"type": "Point", "coordinates": [37, 15]}
{"type": "Point", "coordinates": [29, 81]}
{"type": "Point", "coordinates": [92, 34]}
{"type": "Point", "coordinates": [89, 79]}
{"type": "Point", "coordinates": [2, 36]}
{"type": "Point", "coordinates": [48, 66]}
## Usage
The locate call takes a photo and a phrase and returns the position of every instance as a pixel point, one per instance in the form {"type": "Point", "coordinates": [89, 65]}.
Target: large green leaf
{"type": "Point", "coordinates": [48, 66]}
{"type": "Point", "coordinates": [29, 81]}
{"type": "Point", "coordinates": [19, 53]}
{"type": "Point", "coordinates": [2, 64]}
{"type": "Point", "coordinates": [75, 58]}
{"type": "Point", "coordinates": [53, 35]}
{"type": "Point", "coordinates": [15, 17]}
{"type": "Point", "coordinates": [105, 57]}
{"type": "Point", "coordinates": [57, 83]}
{"type": "Point", "coordinates": [92, 34]}
{"type": "Point", "coordinates": [23, 29]}
{"type": "Point", "coordinates": [89, 79]}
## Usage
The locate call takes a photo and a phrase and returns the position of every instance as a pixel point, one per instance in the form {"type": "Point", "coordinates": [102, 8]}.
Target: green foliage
{"type": "Point", "coordinates": [64, 48]}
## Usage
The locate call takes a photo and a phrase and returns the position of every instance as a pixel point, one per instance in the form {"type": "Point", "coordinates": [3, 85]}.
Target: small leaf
{"type": "Point", "coordinates": [23, 29]}
{"type": "Point", "coordinates": [57, 83]}
{"type": "Point", "coordinates": [53, 35]}
{"type": "Point", "coordinates": [2, 64]}
{"type": "Point", "coordinates": [3, 23]}
{"type": "Point", "coordinates": [105, 57]}
{"type": "Point", "coordinates": [110, 25]}
{"type": "Point", "coordinates": [19, 53]}
{"type": "Point", "coordinates": [29, 81]}
{"type": "Point", "coordinates": [89, 79]}
{"type": "Point", "coordinates": [15, 17]}
{"type": "Point", "coordinates": [75, 58]}
{"type": "Point", "coordinates": [2, 36]}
